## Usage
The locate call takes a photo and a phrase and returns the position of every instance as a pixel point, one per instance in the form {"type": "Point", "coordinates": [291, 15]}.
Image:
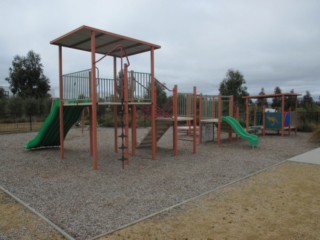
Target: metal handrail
{"type": "Point", "coordinates": [162, 85]}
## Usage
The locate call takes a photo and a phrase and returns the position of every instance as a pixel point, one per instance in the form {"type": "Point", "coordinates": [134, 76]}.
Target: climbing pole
{"type": "Point", "coordinates": [124, 115]}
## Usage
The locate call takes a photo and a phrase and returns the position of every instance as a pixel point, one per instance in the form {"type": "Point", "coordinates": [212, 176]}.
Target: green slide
{"type": "Point", "coordinates": [49, 134]}
{"type": "Point", "coordinates": [238, 129]}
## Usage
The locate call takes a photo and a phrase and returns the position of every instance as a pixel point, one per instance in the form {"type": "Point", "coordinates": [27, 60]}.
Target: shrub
{"type": "Point", "coordinates": [315, 136]}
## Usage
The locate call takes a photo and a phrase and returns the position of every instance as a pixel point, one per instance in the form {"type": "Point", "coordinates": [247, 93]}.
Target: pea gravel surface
{"type": "Point", "coordinates": [86, 203]}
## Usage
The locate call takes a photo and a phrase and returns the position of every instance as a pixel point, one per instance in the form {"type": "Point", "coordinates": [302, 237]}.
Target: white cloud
{"type": "Point", "coordinates": [273, 43]}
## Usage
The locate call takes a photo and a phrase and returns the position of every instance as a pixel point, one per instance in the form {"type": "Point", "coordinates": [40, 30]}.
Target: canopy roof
{"type": "Point", "coordinates": [273, 95]}
{"type": "Point", "coordinates": [80, 39]}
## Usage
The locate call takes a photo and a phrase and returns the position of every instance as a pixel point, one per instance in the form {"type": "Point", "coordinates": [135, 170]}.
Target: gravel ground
{"type": "Point", "coordinates": [87, 203]}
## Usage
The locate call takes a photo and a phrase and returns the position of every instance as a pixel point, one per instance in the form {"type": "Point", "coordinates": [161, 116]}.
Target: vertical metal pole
{"type": "Point", "coordinates": [283, 115]}
{"type": "Point", "coordinates": [194, 119]}
{"type": "Point", "coordinates": [175, 120]}
{"type": "Point", "coordinates": [134, 129]}
{"type": "Point", "coordinates": [153, 107]}
{"type": "Point", "coordinates": [90, 115]}
{"type": "Point", "coordinates": [213, 107]}
{"type": "Point", "coordinates": [200, 115]}
{"type": "Point", "coordinates": [231, 103]}
{"type": "Point", "coordinates": [189, 112]}
{"type": "Point", "coordinates": [289, 126]}
{"type": "Point", "coordinates": [126, 112]}
{"type": "Point", "coordinates": [61, 104]}
{"type": "Point", "coordinates": [90, 130]}
{"type": "Point", "coordinates": [94, 101]}
{"type": "Point", "coordinates": [247, 113]}
{"type": "Point", "coordinates": [238, 118]}
{"type": "Point", "coordinates": [219, 118]}
{"type": "Point", "coordinates": [255, 115]}
{"type": "Point", "coordinates": [82, 120]}
{"type": "Point", "coordinates": [296, 116]}
{"type": "Point", "coordinates": [263, 120]}
{"type": "Point", "coordinates": [115, 108]}
{"type": "Point", "coordinates": [231, 115]}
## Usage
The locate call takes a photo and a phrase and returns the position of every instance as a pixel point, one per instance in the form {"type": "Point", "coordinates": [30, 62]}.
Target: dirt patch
{"type": "Point", "coordinates": [17, 222]}
{"type": "Point", "coordinates": [281, 203]}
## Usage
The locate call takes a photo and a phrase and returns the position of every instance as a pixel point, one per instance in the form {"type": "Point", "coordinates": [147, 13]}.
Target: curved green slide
{"type": "Point", "coordinates": [238, 129]}
{"type": "Point", "coordinates": [49, 134]}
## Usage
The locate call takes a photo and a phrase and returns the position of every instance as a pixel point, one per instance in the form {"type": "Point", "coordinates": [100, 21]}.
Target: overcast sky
{"type": "Point", "coordinates": [272, 43]}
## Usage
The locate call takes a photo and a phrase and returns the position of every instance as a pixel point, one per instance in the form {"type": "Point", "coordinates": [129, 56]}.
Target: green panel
{"type": "Point", "coordinates": [238, 129]}
{"type": "Point", "coordinates": [49, 134]}
{"type": "Point", "coordinates": [273, 120]}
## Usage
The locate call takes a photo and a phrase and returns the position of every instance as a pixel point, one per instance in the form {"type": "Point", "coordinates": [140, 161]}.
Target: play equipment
{"type": "Point", "coordinates": [48, 136]}
{"type": "Point", "coordinates": [211, 110]}
{"type": "Point", "coordinates": [241, 132]}
{"type": "Point", "coordinates": [119, 92]}
{"type": "Point", "coordinates": [126, 89]}
{"type": "Point", "coordinates": [272, 120]}
{"type": "Point", "coordinates": [183, 116]}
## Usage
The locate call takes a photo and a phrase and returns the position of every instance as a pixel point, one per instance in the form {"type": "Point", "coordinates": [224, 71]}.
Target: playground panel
{"type": "Point", "coordinates": [273, 120]}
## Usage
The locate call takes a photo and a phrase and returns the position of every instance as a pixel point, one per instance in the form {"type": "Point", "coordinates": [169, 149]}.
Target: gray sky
{"type": "Point", "coordinates": [272, 43]}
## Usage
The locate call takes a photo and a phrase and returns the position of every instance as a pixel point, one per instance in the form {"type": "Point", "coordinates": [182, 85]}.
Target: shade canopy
{"type": "Point", "coordinates": [80, 39]}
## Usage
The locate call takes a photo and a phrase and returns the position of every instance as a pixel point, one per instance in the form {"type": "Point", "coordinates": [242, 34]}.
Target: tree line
{"type": "Point", "coordinates": [27, 81]}
{"type": "Point", "coordinates": [234, 84]}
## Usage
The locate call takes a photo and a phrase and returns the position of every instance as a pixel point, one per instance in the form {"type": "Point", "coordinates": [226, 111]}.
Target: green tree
{"type": "Point", "coordinates": [3, 108]}
{"type": "Point", "coordinates": [261, 101]}
{"type": "Point", "coordinates": [307, 101]}
{"type": "Point", "coordinates": [162, 98]}
{"type": "Point", "coordinates": [233, 84]}
{"type": "Point", "coordinates": [3, 94]}
{"type": "Point", "coordinates": [290, 101]}
{"type": "Point", "coordinates": [15, 107]}
{"type": "Point", "coordinates": [26, 77]}
{"type": "Point", "coordinates": [276, 101]}
{"type": "Point", "coordinates": [31, 108]}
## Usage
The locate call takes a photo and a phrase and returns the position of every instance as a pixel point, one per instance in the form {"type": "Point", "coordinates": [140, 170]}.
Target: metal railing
{"type": "Point", "coordinates": [78, 86]}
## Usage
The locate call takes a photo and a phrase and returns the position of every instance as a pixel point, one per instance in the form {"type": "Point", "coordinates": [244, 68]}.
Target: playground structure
{"type": "Point", "coordinates": [127, 90]}
{"type": "Point", "coordinates": [219, 111]}
{"type": "Point", "coordinates": [119, 92]}
{"type": "Point", "coordinates": [211, 110]}
{"type": "Point", "coordinates": [284, 119]}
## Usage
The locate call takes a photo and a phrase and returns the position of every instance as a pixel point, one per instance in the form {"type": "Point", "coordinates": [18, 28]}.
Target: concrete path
{"type": "Point", "coordinates": [308, 157]}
